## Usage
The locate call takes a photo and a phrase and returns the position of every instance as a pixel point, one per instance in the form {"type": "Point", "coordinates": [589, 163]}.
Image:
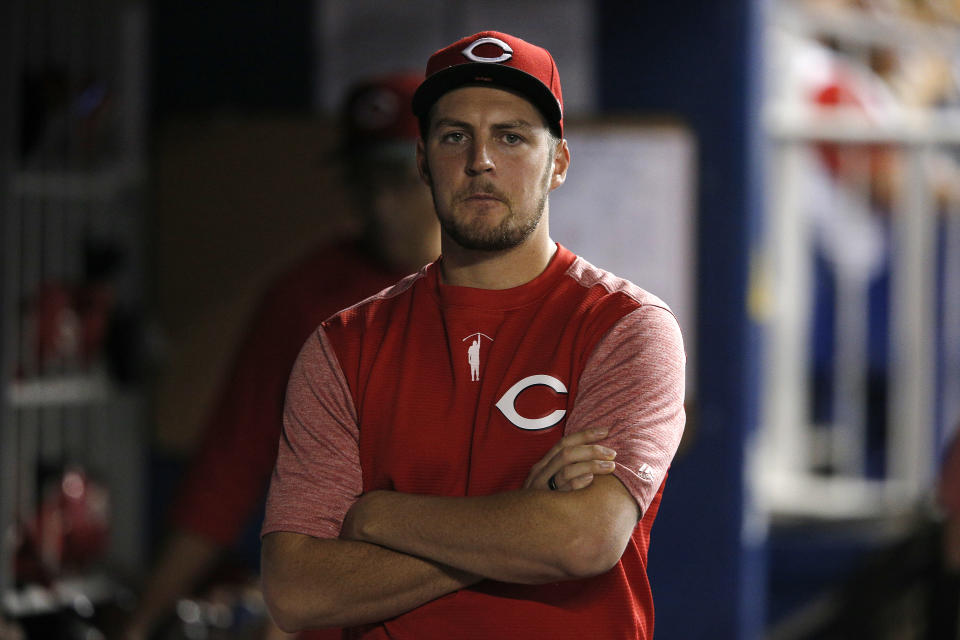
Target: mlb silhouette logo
{"type": "Point", "coordinates": [473, 354]}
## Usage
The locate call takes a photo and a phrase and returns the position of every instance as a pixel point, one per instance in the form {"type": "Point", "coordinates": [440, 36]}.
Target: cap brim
{"type": "Point", "coordinates": [483, 73]}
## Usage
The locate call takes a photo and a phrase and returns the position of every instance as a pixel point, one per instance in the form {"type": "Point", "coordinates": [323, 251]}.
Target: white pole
{"type": "Point", "coordinates": [912, 394]}
{"type": "Point", "coordinates": [786, 442]}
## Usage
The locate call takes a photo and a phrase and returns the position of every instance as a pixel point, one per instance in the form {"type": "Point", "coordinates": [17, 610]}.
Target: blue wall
{"type": "Point", "coordinates": [698, 60]}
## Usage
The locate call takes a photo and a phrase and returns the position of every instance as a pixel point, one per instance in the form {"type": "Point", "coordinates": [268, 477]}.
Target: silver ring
{"type": "Point", "coordinates": [552, 482]}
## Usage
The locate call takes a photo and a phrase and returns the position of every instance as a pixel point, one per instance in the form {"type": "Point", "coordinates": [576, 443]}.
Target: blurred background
{"type": "Point", "coordinates": [784, 173]}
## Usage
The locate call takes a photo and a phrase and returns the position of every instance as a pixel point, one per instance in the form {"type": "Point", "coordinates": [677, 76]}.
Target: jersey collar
{"type": "Point", "coordinates": [450, 295]}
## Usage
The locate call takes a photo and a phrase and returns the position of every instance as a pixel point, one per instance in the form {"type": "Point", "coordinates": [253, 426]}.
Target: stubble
{"type": "Point", "coordinates": [510, 232]}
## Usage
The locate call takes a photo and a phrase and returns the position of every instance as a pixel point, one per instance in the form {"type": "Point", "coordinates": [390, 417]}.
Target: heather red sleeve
{"type": "Point", "coordinates": [633, 384]}
{"type": "Point", "coordinates": [317, 476]}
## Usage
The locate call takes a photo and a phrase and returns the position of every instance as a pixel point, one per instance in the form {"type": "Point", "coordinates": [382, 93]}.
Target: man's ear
{"type": "Point", "coordinates": [561, 162]}
{"type": "Point", "coordinates": [422, 167]}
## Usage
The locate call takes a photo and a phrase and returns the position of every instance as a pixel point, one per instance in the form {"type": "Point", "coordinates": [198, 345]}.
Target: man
{"type": "Point", "coordinates": [412, 499]}
{"type": "Point", "coordinates": [226, 482]}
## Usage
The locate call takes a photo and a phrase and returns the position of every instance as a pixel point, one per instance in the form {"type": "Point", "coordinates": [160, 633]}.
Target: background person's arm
{"type": "Point", "coordinates": [185, 559]}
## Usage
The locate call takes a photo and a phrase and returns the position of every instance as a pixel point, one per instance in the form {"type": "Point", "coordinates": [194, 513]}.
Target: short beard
{"type": "Point", "coordinates": [506, 235]}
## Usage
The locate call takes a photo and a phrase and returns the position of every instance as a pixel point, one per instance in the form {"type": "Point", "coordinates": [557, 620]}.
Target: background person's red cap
{"type": "Point", "coordinates": [499, 59]}
{"type": "Point", "coordinates": [376, 112]}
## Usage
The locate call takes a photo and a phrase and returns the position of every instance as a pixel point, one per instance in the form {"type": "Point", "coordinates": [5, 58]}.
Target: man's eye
{"type": "Point", "coordinates": [453, 136]}
{"type": "Point", "coordinates": [512, 138]}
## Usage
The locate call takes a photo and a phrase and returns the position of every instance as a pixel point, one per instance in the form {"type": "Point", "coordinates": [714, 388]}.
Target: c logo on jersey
{"type": "Point", "coordinates": [507, 403]}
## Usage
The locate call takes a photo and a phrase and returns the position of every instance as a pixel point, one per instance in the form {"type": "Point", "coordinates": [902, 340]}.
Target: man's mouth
{"type": "Point", "coordinates": [483, 196]}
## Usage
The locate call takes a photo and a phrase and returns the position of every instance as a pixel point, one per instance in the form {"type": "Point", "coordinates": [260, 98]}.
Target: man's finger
{"type": "Point", "coordinates": [568, 442]}
{"type": "Point", "coordinates": [573, 448]}
{"type": "Point", "coordinates": [585, 460]}
{"type": "Point", "coordinates": [568, 457]}
{"type": "Point", "coordinates": [572, 455]}
{"type": "Point", "coordinates": [580, 482]}
{"type": "Point", "coordinates": [569, 476]}
{"type": "Point", "coordinates": [571, 462]}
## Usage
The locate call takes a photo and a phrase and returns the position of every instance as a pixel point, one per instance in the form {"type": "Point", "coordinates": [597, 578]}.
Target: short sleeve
{"type": "Point", "coordinates": [317, 476]}
{"type": "Point", "coordinates": [633, 384]}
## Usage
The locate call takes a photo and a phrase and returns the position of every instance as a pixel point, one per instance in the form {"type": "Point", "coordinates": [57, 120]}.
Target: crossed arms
{"type": "Point", "coordinates": [398, 551]}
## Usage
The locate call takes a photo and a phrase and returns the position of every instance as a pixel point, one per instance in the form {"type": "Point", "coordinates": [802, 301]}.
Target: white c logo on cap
{"type": "Point", "coordinates": [507, 408]}
{"type": "Point", "coordinates": [506, 51]}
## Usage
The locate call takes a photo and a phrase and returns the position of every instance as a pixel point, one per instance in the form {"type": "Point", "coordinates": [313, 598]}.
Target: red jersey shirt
{"type": "Point", "coordinates": [435, 389]}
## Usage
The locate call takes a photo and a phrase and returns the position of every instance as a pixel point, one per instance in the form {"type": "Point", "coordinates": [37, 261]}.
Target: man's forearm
{"type": "Point", "coordinates": [526, 536]}
{"type": "Point", "coordinates": [313, 583]}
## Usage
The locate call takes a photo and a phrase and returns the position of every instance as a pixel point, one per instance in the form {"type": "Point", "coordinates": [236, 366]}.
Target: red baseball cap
{"type": "Point", "coordinates": [376, 112]}
{"type": "Point", "coordinates": [499, 59]}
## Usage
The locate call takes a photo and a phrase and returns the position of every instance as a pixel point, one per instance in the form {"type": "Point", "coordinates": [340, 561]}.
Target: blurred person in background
{"type": "Point", "coordinates": [226, 482]}
{"type": "Point", "coordinates": [852, 193]}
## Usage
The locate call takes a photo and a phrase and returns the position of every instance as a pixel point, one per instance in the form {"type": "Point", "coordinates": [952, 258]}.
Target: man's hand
{"type": "Point", "coordinates": [572, 462]}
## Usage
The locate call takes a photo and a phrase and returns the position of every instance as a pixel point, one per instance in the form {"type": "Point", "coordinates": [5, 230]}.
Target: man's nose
{"type": "Point", "coordinates": [481, 160]}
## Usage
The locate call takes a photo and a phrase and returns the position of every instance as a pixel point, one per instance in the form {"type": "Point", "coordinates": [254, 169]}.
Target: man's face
{"type": "Point", "coordinates": [490, 162]}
